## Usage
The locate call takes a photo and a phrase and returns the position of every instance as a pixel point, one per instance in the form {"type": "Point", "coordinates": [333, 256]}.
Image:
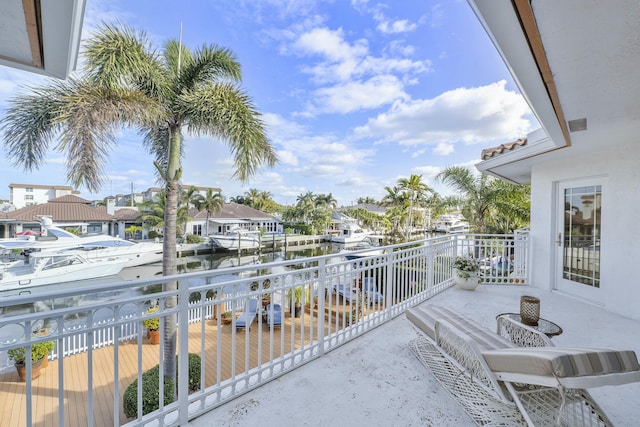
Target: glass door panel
{"type": "Point", "coordinates": [581, 235]}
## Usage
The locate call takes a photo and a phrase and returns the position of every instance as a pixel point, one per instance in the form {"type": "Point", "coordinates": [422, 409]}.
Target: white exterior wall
{"type": "Point", "coordinates": [620, 235]}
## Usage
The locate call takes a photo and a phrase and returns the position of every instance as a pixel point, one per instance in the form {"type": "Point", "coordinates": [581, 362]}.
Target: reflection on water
{"type": "Point", "coordinates": [185, 265]}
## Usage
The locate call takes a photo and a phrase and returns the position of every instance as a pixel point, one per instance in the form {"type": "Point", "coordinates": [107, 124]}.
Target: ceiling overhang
{"type": "Point", "coordinates": [41, 36]}
{"type": "Point", "coordinates": [575, 63]}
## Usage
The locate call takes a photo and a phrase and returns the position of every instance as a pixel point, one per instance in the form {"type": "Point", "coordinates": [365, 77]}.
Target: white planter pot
{"type": "Point", "coordinates": [466, 283]}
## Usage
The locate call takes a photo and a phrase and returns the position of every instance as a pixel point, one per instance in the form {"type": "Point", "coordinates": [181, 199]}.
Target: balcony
{"type": "Point", "coordinates": [347, 347]}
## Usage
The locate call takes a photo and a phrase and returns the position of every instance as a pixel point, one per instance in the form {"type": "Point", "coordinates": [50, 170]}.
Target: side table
{"type": "Point", "coordinates": [511, 327]}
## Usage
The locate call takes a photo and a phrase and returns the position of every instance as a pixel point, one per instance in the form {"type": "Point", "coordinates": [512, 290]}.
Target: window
{"type": "Point", "coordinates": [29, 189]}
{"type": "Point", "coordinates": [582, 207]}
{"type": "Point", "coordinates": [28, 196]}
{"type": "Point", "coordinates": [197, 229]}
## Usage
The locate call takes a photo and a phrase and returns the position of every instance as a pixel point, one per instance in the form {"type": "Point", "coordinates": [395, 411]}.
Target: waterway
{"type": "Point", "coordinates": [215, 261]}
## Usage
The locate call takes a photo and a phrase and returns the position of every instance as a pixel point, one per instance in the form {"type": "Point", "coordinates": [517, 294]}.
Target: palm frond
{"type": "Point", "coordinates": [223, 110]}
{"type": "Point", "coordinates": [211, 64]}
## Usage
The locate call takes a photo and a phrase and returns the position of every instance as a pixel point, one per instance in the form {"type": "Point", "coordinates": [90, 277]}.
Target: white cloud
{"type": "Point", "coordinates": [398, 26]}
{"type": "Point", "coordinates": [443, 149]}
{"type": "Point", "coordinates": [287, 158]}
{"type": "Point", "coordinates": [468, 115]}
{"type": "Point", "coordinates": [356, 95]}
{"type": "Point", "coordinates": [350, 77]}
{"type": "Point", "coordinates": [428, 172]}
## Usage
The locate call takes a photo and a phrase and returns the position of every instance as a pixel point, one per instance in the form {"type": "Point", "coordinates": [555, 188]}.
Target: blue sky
{"type": "Point", "coordinates": [356, 94]}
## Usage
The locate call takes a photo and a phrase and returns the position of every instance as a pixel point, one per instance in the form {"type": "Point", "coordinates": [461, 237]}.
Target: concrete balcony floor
{"type": "Point", "coordinates": [375, 380]}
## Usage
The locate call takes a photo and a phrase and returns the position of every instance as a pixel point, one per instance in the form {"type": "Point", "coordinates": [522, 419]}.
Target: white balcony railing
{"type": "Point", "coordinates": [342, 299]}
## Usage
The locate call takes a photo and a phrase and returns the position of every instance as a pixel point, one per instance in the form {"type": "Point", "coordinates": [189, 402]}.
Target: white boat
{"type": "Point", "coordinates": [346, 229]}
{"type": "Point", "coordinates": [236, 239]}
{"type": "Point", "coordinates": [95, 246]}
{"type": "Point", "coordinates": [451, 223]}
{"type": "Point", "coordinates": [46, 268]}
{"type": "Point", "coordinates": [362, 249]}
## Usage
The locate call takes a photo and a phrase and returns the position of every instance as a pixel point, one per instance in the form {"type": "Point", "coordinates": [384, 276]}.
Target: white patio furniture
{"type": "Point", "coordinates": [499, 383]}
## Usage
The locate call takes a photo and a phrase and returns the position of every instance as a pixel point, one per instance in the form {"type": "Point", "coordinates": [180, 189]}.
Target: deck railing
{"type": "Point", "coordinates": [340, 299]}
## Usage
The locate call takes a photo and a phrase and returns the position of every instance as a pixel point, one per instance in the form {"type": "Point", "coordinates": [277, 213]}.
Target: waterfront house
{"type": "Point", "coordinates": [65, 211]}
{"type": "Point", "coordinates": [576, 63]}
{"type": "Point", "coordinates": [232, 216]}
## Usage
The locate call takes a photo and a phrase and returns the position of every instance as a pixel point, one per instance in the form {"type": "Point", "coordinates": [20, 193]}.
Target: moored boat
{"type": "Point", "coordinates": [236, 239]}
{"type": "Point", "coordinates": [46, 268]}
{"type": "Point", "coordinates": [95, 246]}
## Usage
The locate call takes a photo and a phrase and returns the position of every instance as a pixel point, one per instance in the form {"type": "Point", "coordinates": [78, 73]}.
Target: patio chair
{"type": "Point", "coordinates": [371, 292]}
{"type": "Point", "coordinates": [499, 383]}
{"type": "Point", "coordinates": [249, 314]}
{"type": "Point", "coordinates": [346, 292]}
{"type": "Point", "coordinates": [274, 315]}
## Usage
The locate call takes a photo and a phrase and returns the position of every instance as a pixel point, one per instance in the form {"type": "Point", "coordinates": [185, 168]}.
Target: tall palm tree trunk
{"type": "Point", "coordinates": [169, 253]}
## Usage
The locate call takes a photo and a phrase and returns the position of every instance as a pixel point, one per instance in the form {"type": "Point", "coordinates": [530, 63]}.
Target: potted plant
{"type": "Point", "coordinates": [227, 317]}
{"type": "Point", "coordinates": [39, 351]}
{"type": "Point", "coordinates": [153, 326]}
{"type": "Point", "coordinates": [466, 273]}
{"type": "Point", "coordinates": [297, 298]}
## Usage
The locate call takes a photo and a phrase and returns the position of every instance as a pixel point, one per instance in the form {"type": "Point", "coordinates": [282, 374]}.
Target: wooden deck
{"type": "Point", "coordinates": [218, 344]}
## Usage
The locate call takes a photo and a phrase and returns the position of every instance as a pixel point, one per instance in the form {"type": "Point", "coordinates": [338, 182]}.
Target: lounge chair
{"type": "Point", "coordinates": [249, 314]}
{"type": "Point", "coordinates": [499, 383]}
{"type": "Point", "coordinates": [274, 315]}
{"type": "Point", "coordinates": [372, 294]}
{"type": "Point", "coordinates": [346, 292]}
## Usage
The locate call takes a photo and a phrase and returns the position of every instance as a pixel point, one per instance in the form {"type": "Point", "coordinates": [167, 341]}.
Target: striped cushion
{"type": "Point", "coordinates": [425, 317]}
{"type": "Point", "coordinates": [561, 362]}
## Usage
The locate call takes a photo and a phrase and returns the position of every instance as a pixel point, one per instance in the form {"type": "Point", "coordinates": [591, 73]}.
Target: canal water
{"type": "Point", "coordinates": [189, 264]}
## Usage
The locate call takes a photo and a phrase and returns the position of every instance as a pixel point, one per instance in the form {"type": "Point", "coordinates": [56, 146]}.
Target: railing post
{"type": "Point", "coordinates": [322, 295]}
{"type": "Point", "coordinates": [389, 285]}
{"type": "Point", "coordinates": [183, 351]}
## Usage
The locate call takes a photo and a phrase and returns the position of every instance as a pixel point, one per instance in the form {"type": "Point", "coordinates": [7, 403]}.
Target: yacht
{"type": "Point", "coordinates": [48, 267]}
{"type": "Point", "coordinates": [364, 248]}
{"type": "Point", "coordinates": [238, 238]}
{"type": "Point", "coordinates": [346, 229]}
{"type": "Point", "coordinates": [95, 246]}
{"type": "Point", "coordinates": [451, 223]}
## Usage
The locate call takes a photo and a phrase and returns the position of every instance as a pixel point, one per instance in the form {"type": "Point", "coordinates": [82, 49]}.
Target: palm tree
{"type": "Point", "coordinates": [152, 212]}
{"type": "Point", "coordinates": [306, 203]}
{"type": "Point", "coordinates": [125, 82]}
{"type": "Point", "coordinates": [251, 197]}
{"type": "Point", "coordinates": [211, 202]}
{"type": "Point", "coordinates": [477, 191]}
{"type": "Point", "coordinates": [189, 198]}
{"type": "Point", "coordinates": [417, 191]}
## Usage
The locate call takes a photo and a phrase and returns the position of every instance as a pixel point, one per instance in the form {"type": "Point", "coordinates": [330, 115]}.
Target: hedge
{"type": "Point", "coordinates": [151, 389]}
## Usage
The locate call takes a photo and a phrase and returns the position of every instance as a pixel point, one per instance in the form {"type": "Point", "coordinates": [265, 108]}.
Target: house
{"type": "Point", "coordinates": [232, 216]}
{"type": "Point", "coordinates": [576, 63]}
{"type": "Point", "coordinates": [65, 211]}
{"type": "Point", "coordinates": [21, 195]}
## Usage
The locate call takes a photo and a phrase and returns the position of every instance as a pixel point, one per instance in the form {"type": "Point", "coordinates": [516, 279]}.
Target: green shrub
{"type": "Point", "coordinates": [150, 393]}
{"type": "Point", "coordinates": [38, 351]}
{"type": "Point", "coordinates": [151, 388]}
{"type": "Point", "coordinates": [153, 234]}
{"type": "Point", "coordinates": [193, 238]}
{"type": "Point", "coordinates": [153, 323]}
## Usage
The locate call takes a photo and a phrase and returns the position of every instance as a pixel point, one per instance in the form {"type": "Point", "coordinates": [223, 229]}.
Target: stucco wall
{"type": "Point", "coordinates": [620, 236]}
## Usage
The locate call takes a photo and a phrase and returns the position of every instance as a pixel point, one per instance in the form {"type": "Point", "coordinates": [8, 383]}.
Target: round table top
{"type": "Point", "coordinates": [545, 326]}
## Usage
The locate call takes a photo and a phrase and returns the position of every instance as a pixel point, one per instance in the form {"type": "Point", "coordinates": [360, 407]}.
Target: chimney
{"type": "Point", "coordinates": [111, 205]}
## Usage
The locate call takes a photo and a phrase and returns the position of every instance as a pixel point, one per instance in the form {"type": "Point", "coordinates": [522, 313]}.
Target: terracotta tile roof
{"type": "Point", "coordinates": [488, 153]}
{"type": "Point", "coordinates": [70, 199]}
{"type": "Point", "coordinates": [126, 214]}
{"type": "Point", "coordinates": [61, 209]}
{"type": "Point", "coordinates": [236, 211]}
